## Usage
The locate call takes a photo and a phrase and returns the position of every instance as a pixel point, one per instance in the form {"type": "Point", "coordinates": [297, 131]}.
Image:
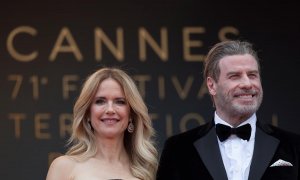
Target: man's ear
{"type": "Point", "coordinates": [211, 85]}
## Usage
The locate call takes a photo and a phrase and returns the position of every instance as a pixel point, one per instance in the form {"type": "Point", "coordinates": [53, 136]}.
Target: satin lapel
{"type": "Point", "coordinates": [264, 150]}
{"type": "Point", "coordinates": [208, 149]}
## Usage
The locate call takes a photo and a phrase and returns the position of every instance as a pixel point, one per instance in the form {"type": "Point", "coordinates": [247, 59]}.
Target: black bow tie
{"type": "Point", "coordinates": [243, 132]}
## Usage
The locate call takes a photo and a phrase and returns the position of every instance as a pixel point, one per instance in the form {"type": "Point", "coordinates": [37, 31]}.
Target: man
{"type": "Point", "coordinates": [235, 145]}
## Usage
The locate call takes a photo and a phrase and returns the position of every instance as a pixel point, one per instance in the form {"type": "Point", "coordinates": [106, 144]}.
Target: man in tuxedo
{"type": "Point", "coordinates": [234, 145]}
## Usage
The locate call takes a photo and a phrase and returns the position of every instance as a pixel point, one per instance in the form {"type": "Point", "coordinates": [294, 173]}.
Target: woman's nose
{"type": "Point", "coordinates": [110, 108]}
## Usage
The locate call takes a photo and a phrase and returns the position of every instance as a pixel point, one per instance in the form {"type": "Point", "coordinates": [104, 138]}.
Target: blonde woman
{"type": "Point", "coordinates": [112, 132]}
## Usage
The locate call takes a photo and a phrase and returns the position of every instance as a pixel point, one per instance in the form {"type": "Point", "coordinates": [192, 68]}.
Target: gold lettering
{"type": "Point", "coordinates": [169, 125]}
{"type": "Point", "coordinates": [183, 92]}
{"type": "Point", "coordinates": [161, 88]}
{"type": "Point", "coordinates": [203, 91]}
{"type": "Point", "coordinates": [16, 89]}
{"type": "Point", "coordinates": [161, 51]}
{"type": "Point", "coordinates": [188, 43]}
{"type": "Point", "coordinates": [52, 156]}
{"type": "Point", "coordinates": [67, 87]}
{"type": "Point", "coordinates": [117, 51]}
{"type": "Point", "coordinates": [141, 83]}
{"type": "Point", "coordinates": [188, 117]}
{"type": "Point", "coordinates": [274, 120]}
{"type": "Point", "coordinates": [17, 117]}
{"type": "Point", "coordinates": [35, 86]}
{"type": "Point", "coordinates": [72, 47]}
{"type": "Point", "coordinates": [226, 31]}
{"type": "Point", "coordinates": [153, 116]}
{"type": "Point", "coordinates": [10, 46]}
{"type": "Point", "coordinates": [64, 126]}
{"type": "Point", "coordinates": [40, 125]}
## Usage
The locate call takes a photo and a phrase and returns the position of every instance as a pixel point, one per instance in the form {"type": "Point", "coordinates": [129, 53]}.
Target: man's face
{"type": "Point", "coordinates": [238, 91]}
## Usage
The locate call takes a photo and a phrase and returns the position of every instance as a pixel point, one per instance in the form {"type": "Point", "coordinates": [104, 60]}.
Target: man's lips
{"type": "Point", "coordinates": [245, 96]}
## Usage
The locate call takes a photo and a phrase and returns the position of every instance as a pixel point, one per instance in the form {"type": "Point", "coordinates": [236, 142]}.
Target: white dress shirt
{"type": "Point", "coordinates": [237, 153]}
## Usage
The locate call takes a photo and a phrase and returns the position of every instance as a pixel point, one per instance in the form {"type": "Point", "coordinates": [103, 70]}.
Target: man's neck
{"type": "Point", "coordinates": [235, 120]}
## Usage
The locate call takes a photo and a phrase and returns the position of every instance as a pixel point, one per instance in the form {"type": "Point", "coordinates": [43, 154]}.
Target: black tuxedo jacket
{"type": "Point", "coordinates": [195, 155]}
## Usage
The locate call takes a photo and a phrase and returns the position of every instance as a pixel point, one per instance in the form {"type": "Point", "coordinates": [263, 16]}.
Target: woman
{"type": "Point", "coordinates": [112, 132]}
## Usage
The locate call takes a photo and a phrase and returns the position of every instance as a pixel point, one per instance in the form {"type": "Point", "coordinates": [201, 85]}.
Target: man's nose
{"type": "Point", "coordinates": [245, 82]}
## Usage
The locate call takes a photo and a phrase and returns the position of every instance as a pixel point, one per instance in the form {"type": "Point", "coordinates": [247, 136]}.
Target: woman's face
{"type": "Point", "coordinates": [109, 110]}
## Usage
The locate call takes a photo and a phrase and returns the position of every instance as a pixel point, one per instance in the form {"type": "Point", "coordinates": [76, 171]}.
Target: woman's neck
{"type": "Point", "coordinates": [111, 150]}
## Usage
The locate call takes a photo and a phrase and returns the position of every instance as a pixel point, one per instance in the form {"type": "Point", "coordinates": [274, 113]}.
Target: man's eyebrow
{"type": "Point", "coordinates": [254, 71]}
{"type": "Point", "coordinates": [233, 72]}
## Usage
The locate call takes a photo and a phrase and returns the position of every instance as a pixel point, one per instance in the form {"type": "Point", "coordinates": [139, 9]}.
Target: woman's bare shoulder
{"type": "Point", "coordinates": [61, 168]}
{"type": "Point", "coordinates": [65, 162]}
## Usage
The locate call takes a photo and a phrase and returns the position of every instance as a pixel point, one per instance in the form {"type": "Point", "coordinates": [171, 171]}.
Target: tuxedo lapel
{"type": "Point", "coordinates": [208, 149]}
{"type": "Point", "coordinates": [264, 149]}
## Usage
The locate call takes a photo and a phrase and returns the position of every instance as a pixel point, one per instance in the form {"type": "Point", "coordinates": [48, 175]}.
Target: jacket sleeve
{"type": "Point", "coordinates": [167, 166]}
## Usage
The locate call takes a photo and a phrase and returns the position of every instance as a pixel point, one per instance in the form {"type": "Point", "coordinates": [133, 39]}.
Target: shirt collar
{"type": "Point", "coordinates": [252, 121]}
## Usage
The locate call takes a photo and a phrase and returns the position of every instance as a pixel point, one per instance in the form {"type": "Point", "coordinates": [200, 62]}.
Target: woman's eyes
{"type": "Point", "coordinates": [120, 101]}
{"type": "Point", "coordinates": [116, 101]}
{"type": "Point", "coordinates": [100, 101]}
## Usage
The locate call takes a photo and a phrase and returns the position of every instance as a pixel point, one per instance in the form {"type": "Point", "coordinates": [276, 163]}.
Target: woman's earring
{"type": "Point", "coordinates": [130, 127]}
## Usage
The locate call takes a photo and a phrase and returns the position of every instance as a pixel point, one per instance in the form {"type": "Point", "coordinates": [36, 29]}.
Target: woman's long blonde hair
{"type": "Point", "coordinates": [139, 144]}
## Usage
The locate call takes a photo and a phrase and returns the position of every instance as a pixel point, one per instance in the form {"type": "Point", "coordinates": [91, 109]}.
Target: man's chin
{"type": "Point", "coordinates": [246, 109]}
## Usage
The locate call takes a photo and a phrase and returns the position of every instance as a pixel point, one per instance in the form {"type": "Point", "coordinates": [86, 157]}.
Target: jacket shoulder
{"type": "Point", "coordinates": [282, 134]}
{"type": "Point", "coordinates": [191, 135]}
